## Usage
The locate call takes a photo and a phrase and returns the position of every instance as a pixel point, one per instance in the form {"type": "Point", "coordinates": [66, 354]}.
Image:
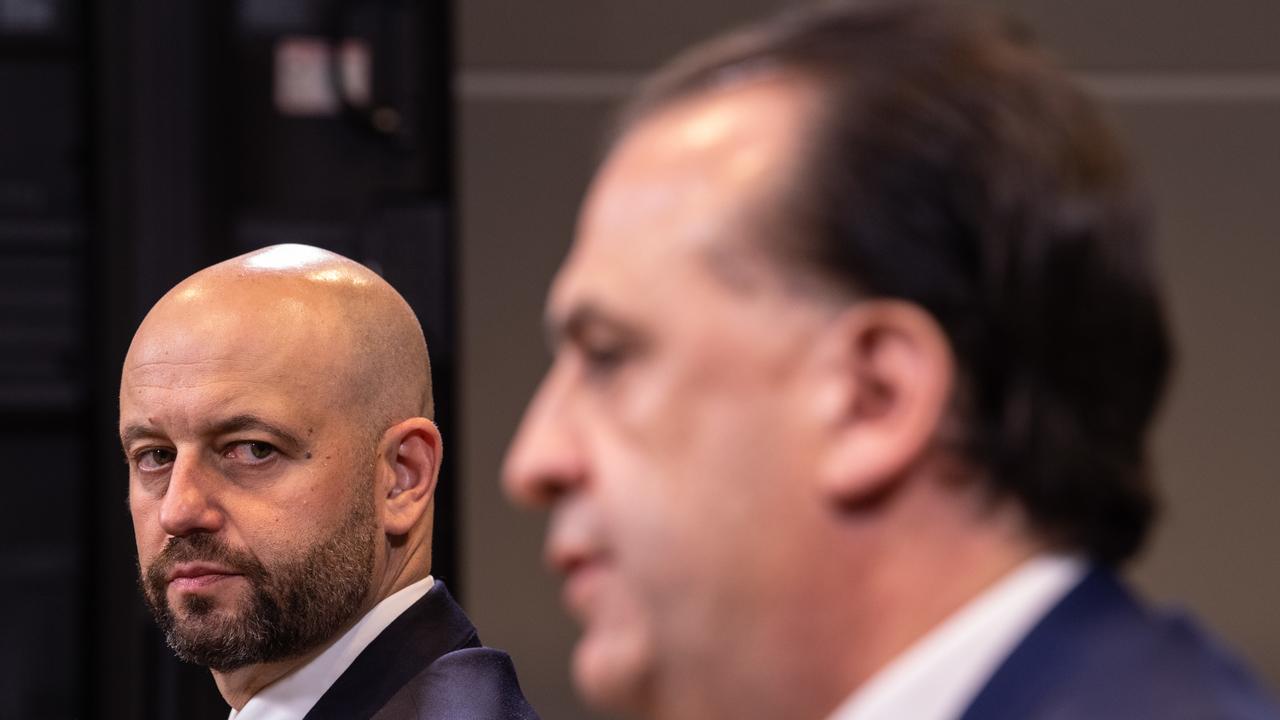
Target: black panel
{"type": "Point", "coordinates": [42, 353]}
{"type": "Point", "coordinates": [139, 141]}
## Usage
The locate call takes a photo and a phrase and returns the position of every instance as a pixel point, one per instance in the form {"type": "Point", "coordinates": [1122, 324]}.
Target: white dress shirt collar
{"type": "Point", "coordinates": [292, 696]}
{"type": "Point", "coordinates": [940, 674]}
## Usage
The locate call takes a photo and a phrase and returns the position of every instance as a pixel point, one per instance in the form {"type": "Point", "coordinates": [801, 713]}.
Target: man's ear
{"type": "Point", "coordinates": [410, 458]}
{"type": "Point", "coordinates": [887, 383]}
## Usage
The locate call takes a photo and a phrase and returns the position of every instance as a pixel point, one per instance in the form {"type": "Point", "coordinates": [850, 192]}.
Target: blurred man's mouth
{"type": "Point", "coordinates": [582, 565]}
{"type": "Point", "coordinates": [582, 581]}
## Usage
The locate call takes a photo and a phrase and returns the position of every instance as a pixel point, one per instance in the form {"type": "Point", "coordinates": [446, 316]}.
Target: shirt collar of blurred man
{"type": "Point", "coordinates": [954, 660]}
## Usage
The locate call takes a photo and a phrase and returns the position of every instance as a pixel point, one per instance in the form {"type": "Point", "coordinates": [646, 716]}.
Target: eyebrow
{"type": "Point", "coordinates": [240, 423]}
{"type": "Point", "coordinates": [235, 423]}
{"type": "Point", "coordinates": [133, 433]}
{"type": "Point", "coordinates": [576, 322]}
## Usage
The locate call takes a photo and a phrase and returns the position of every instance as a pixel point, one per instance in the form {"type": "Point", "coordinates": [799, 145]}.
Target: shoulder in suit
{"type": "Point", "coordinates": [428, 663]}
{"type": "Point", "coordinates": [1100, 654]}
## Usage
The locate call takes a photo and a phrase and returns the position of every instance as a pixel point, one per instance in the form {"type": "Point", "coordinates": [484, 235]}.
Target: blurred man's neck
{"type": "Point", "coordinates": [870, 595]}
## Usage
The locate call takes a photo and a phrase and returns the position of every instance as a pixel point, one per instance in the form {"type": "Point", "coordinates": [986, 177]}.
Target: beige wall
{"type": "Point", "coordinates": [1196, 88]}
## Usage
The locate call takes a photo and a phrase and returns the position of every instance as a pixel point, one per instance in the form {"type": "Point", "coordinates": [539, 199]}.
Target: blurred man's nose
{"type": "Point", "coordinates": [188, 506]}
{"type": "Point", "coordinates": [545, 460]}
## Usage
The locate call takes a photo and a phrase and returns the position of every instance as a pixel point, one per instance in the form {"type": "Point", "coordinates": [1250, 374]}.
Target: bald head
{"type": "Point", "coordinates": [333, 324]}
{"type": "Point", "coordinates": [272, 417]}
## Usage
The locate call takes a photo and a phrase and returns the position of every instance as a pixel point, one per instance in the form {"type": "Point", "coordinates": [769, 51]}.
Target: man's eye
{"type": "Point", "coordinates": [251, 451]}
{"type": "Point", "coordinates": [155, 459]}
{"type": "Point", "coordinates": [603, 358]}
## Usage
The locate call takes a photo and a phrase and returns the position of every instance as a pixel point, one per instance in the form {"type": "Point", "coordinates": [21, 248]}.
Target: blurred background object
{"type": "Point", "coordinates": [142, 139]}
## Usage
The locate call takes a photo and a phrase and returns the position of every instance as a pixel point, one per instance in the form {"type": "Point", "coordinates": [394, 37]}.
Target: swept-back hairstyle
{"type": "Point", "coordinates": [956, 167]}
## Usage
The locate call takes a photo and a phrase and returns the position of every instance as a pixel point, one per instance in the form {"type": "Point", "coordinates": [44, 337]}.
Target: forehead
{"type": "Point", "coordinates": [235, 351]}
{"type": "Point", "coordinates": [698, 183]}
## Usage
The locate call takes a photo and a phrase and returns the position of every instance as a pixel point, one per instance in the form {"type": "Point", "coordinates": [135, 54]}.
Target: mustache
{"type": "Point", "coordinates": [200, 547]}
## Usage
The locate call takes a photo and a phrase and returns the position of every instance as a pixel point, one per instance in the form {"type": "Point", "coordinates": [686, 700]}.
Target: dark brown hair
{"type": "Point", "coordinates": [954, 166]}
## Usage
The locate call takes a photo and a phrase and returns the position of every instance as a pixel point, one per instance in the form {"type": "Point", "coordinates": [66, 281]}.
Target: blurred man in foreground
{"type": "Point", "coordinates": [856, 352]}
{"type": "Point", "coordinates": [275, 415]}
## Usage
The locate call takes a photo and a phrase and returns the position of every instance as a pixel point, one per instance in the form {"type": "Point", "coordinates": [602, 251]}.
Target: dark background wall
{"type": "Point", "coordinates": [139, 141]}
{"type": "Point", "coordinates": [1195, 87]}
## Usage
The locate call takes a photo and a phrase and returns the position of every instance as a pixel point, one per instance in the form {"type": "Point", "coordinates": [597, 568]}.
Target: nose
{"type": "Point", "coordinates": [188, 505]}
{"type": "Point", "coordinates": [546, 460]}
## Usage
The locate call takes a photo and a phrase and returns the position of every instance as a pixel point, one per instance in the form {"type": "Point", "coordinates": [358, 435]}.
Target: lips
{"type": "Point", "coordinates": [582, 584]}
{"type": "Point", "coordinates": [197, 575]}
{"type": "Point", "coordinates": [582, 565]}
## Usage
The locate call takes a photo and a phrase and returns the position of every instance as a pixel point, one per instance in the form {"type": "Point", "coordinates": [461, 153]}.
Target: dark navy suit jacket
{"type": "Point", "coordinates": [1100, 655]}
{"type": "Point", "coordinates": [428, 663]}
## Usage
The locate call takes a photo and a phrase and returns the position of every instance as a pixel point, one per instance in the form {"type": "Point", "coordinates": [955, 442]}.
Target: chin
{"type": "Point", "coordinates": [613, 674]}
{"type": "Point", "coordinates": [200, 605]}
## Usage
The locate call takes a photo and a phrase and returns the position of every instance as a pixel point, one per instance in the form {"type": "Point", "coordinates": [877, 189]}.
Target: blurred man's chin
{"type": "Point", "coordinates": [612, 674]}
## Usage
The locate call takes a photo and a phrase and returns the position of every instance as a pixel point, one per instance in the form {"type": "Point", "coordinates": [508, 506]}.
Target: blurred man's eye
{"type": "Point", "coordinates": [604, 358]}
{"type": "Point", "coordinates": [603, 350]}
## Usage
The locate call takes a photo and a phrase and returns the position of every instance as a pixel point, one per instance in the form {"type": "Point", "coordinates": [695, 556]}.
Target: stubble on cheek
{"type": "Point", "coordinates": [299, 604]}
{"type": "Point", "coordinates": [201, 547]}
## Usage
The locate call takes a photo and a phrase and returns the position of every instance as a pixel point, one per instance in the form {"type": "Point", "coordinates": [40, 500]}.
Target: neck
{"type": "Point", "coordinates": [404, 565]}
{"type": "Point", "coordinates": [240, 685]}
{"type": "Point", "coordinates": [934, 564]}
{"type": "Point", "coordinates": [873, 586]}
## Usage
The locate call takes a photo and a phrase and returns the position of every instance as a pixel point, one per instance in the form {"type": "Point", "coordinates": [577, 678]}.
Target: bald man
{"type": "Point", "coordinates": [275, 413]}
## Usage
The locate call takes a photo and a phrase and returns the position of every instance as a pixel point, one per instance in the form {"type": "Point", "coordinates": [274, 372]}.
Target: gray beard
{"type": "Point", "coordinates": [292, 609]}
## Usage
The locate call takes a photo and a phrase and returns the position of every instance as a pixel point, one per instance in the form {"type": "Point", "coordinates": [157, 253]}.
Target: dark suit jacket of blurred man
{"type": "Point", "coordinates": [1100, 654]}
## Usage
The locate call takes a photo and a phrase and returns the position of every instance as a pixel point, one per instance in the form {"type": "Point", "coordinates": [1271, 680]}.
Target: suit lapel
{"type": "Point", "coordinates": [1056, 649]}
{"type": "Point", "coordinates": [431, 627]}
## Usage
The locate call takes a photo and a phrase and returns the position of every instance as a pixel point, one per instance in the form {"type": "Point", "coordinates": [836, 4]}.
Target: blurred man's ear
{"type": "Point", "coordinates": [409, 468]}
{"type": "Point", "coordinates": [888, 373]}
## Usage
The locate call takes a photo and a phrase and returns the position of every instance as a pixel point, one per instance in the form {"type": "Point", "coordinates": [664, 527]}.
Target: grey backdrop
{"type": "Point", "coordinates": [1195, 86]}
